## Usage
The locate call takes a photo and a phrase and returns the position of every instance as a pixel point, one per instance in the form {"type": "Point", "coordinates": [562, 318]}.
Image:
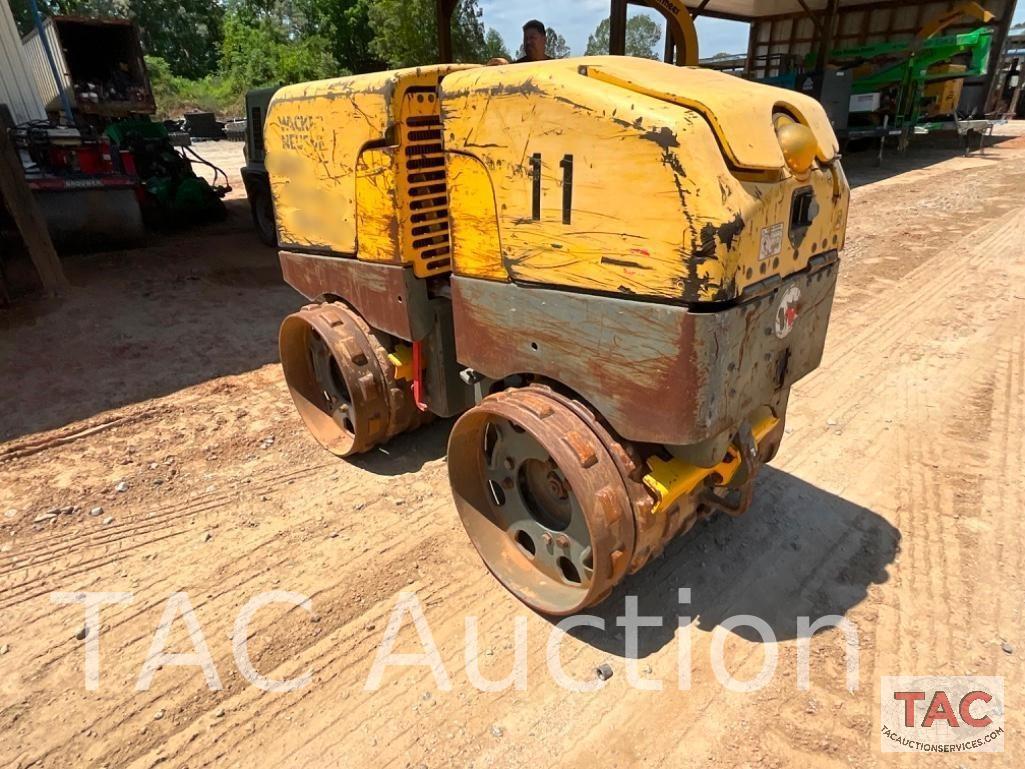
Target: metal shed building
{"type": "Point", "coordinates": [17, 88]}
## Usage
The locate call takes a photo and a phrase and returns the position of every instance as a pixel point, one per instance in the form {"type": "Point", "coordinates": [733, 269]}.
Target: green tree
{"type": "Point", "coordinates": [273, 42]}
{"type": "Point", "coordinates": [186, 33]}
{"type": "Point", "coordinates": [642, 37]}
{"type": "Point", "coordinates": [555, 45]}
{"type": "Point", "coordinates": [406, 32]}
{"type": "Point", "coordinates": [494, 46]}
{"type": "Point", "coordinates": [23, 15]}
{"type": "Point", "coordinates": [176, 95]}
{"type": "Point", "coordinates": [346, 23]}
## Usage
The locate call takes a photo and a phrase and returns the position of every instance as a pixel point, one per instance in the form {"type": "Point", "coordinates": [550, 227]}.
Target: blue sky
{"type": "Point", "coordinates": [576, 19]}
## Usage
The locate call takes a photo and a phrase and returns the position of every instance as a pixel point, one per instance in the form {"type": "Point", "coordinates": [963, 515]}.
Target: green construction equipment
{"type": "Point", "coordinates": [906, 79]}
{"type": "Point", "coordinates": [174, 194]}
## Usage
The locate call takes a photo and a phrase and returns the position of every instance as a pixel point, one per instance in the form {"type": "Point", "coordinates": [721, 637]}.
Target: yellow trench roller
{"type": "Point", "coordinates": [613, 269]}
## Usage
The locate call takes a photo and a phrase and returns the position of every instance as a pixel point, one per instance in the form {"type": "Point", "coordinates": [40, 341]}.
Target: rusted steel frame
{"type": "Point", "coordinates": [853, 36]}
{"type": "Point", "coordinates": [862, 34]}
{"type": "Point", "coordinates": [388, 296]}
{"type": "Point", "coordinates": [752, 38]}
{"type": "Point", "coordinates": [793, 33]}
{"type": "Point", "coordinates": [617, 27]}
{"type": "Point", "coordinates": [1016, 69]}
{"type": "Point", "coordinates": [996, 52]}
{"type": "Point", "coordinates": [657, 373]}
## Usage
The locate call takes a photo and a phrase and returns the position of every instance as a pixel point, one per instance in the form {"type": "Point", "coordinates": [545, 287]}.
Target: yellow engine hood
{"type": "Point", "coordinates": [739, 111]}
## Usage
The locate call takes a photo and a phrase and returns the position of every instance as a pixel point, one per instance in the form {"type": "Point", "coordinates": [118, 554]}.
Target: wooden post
{"type": "Point", "coordinates": [752, 32]}
{"type": "Point", "coordinates": [617, 28]}
{"type": "Point", "coordinates": [30, 223]}
{"type": "Point", "coordinates": [443, 13]}
{"type": "Point", "coordinates": [826, 37]}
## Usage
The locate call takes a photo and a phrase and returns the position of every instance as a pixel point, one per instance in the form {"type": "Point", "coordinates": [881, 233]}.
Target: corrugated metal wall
{"type": "Point", "coordinates": [873, 23]}
{"type": "Point", "coordinates": [17, 86]}
{"type": "Point", "coordinates": [39, 66]}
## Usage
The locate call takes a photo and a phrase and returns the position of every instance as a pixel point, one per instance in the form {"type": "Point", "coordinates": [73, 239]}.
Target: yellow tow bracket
{"type": "Point", "coordinates": [402, 359]}
{"type": "Point", "coordinates": [671, 479]}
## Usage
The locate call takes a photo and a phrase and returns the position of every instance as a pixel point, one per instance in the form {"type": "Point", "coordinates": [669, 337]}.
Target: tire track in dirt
{"type": "Point", "coordinates": [820, 388]}
{"type": "Point", "coordinates": [158, 524]}
{"type": "Point", "coordinates": [330, 651]}
{"type": "Point", "coordinates": [401, 749]}
{"type": "Point", "coordinates": [241, 568]}
{"type": "Point", "coordinates": [894, 311]}
{"type": "Point", "coordinates": [938, 490]}
{"type": "Point", "coordinates": [537, 658]}
{"type": "Point", "coordinates": [749, 564]}
{"type": "Point", "coordinates": [59, 541]}
{"type": "Point", "coordinates": [384, 539]}
{"type": "Point", "coordinates": [131, 708]}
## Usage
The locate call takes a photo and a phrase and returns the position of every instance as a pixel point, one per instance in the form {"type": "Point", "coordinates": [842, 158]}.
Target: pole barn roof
{"type": "Point", "coordinates": [751, 10]}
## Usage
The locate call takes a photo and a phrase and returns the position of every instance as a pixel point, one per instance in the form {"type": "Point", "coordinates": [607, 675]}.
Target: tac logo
{"type": "Point", "coordinates": [786, 313]}
{"type": "Point", "coordinates": [941, 714]}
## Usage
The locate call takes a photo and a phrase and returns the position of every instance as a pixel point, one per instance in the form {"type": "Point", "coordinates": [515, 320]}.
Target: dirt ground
{"type": "Point", "coordinates": [896, 500]}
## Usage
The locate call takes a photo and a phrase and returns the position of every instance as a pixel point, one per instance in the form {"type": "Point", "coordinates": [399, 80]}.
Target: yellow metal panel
{"type": "Point", "coordinates": [944, 20]}
{"type": "Point", "coordinates": [736, 109]}
{"type": "Point", "coordinates": [314, 135]}
{"type": "Point", "coordinates": [476, 246]}
{"type": "Point", "coordinates": [942, 96]}
{"type": "Point", "coordinates": [376, 206]}
{"type": "Point", "coordinates": [654, 207]}
{"type": "Point", "coordinates": [671, 479]}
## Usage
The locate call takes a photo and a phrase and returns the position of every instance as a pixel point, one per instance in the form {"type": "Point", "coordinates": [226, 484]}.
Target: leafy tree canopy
{"type": "Point", "coordinates": [642, 37]}
{"type": "Point", "coordinates": [274, 41]}
{"type": "Point", "coordinates": [494, 46]}
{"type": "Point", "coordinates": [406, 32]}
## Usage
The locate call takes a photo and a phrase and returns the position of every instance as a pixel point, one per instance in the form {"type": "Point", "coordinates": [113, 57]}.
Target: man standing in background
{"type": "Point", "coordinates": [534, 39]}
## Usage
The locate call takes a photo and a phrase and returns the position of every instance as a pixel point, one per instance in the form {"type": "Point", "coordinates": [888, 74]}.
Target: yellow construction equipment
{"type": "Point", "coordinates": [613, 269]}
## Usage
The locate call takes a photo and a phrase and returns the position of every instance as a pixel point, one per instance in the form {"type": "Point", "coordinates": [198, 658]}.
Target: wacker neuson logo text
{"type": "Point", "coordinates": [941, 714]}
